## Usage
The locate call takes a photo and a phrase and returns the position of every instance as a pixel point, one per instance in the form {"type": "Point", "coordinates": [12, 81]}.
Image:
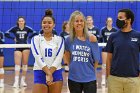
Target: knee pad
{"type": "Point", "coordinates": [17, 67]}
{"type": "Point", "coordinates": [1, 71]}
{"type": "Point", "coordinates": [104, 66]}
{"type": "Point", "coordinates": [24, 67]}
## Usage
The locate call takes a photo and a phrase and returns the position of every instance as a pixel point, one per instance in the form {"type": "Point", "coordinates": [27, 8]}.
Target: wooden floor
{"type": "Point", "coordinates": [9, 79]}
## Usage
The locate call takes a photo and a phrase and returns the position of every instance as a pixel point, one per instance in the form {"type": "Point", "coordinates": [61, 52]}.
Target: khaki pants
{"type": "Point", "coordinates": [123, 85]}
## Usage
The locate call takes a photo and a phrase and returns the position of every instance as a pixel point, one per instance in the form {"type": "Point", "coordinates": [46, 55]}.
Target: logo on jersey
{"type": "Point", "coordinates": [134, 39]}
{"type": "Point", "coordinates": [92, 32]}
{"type": "Point", "coordinates": [108, 33]}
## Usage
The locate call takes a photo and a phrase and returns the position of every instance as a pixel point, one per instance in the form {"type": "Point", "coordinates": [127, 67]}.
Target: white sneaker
{"type": "Point", "coordinates": [66, 67]}
{"type": "Point", "coordinates": [15, 85]}
{"type": "Point", "coordinates": [23, 84]}
{"type": "Point", "coordinates": [103, 82]}
{"type": "Point", "coordinates": [1, 85]}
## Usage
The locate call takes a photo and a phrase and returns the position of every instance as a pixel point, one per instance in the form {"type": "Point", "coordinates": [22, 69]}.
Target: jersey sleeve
{"type": "Point", "coordinates": [98, 33]}
{"type": "Point", "coordinates": [115, 29]}
{"type": "Point", "coordinates": [2, 38]}
{"type": "Point", "coordinates": [32, 32]}
{"type": "Point", "coordinates": [54, 32]}
{"type": "Point", "coordinates": [41, 31]}
{"type": "Point", "coordinates": [59, 55]}
{"type": "Point", "coordinates": [101, 35]}
{"type": "Point", "coordinates": [67, 44]}
{"type": "Point", "coordinates": [35, 47]}
{"type": "Point", "coordinates": [61, 34]}
{"type": "Point", "coordinates": [95, 51]}
{"type": "Point", "coordinates": [109, 46]}
{"type": "Point", "coordinates": [9, 33]}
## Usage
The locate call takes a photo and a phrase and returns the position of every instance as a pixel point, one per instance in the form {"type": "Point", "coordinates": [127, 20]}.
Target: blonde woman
{"type": "Point", "coordinates": [82, 56]}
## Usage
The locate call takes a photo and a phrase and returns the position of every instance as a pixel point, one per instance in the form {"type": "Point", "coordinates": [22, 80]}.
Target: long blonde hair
{"type": "Point", "coordinates": [71, 22]}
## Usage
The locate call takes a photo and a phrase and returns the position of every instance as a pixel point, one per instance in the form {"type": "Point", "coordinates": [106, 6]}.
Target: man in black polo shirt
{"type": "Point", "coordinates": [123, 48]}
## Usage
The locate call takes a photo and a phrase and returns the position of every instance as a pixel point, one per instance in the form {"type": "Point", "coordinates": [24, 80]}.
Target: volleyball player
{"type": "Point", "coordinates": [20, 34]}
{"type": "Point", "coordinates": [105, 33]}
{"type": "Point", "coordinates": [1, 61]}
{"type": "Point", "coordinates": [65, 34]}
{"type": "Point", "coordinates": [48, 50]}
{"type": "Point", "coordinates": [53, 31]}
{"type": "Point", "coordinates": [66, 31]}
{"type": "Point", "coordinates": [91, 28]}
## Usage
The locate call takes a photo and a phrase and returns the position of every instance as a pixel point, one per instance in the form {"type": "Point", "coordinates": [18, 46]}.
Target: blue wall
{"type": "Point", "coordinates": [33, 12]}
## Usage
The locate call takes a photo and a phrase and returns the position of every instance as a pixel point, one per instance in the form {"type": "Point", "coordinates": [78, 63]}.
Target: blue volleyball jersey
{"type": "Point", "coordinates": [1, 37]}
{"type": "Point", "coordinates": [83, 56]}
{"type": "Point", "coordinates": [64, 35]}
{"type": "Point", "coordinates": [94, 31]}
{"type": "Point", "coordinates": [125, 47]}
{"type": "Point", "coordinates": [1, 42]}
{"type": "Point", "coordinates": [105, 33]}
{"type": "Point", "coordinates": [21, 36]}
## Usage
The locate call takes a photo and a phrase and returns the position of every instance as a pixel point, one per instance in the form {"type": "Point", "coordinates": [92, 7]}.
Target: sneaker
{"type": "Point", "coordinates": [66, 67]}
{"type": "Point", "coordinates": [23, 84]}
{"type": "Point", "coordinates": [1, 85]}
{"type": "Point", "coordinates": [103, 82]}
{"type": "Point", "coordinates": [15, 85]}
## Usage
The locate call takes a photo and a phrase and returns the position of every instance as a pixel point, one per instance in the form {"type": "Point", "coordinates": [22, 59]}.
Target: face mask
{"type": "Point", "coordinates": [120, 23]}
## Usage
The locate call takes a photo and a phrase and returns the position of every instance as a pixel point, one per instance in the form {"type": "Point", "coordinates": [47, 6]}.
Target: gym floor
{"type": "Point", "coordinates": [9, 79]}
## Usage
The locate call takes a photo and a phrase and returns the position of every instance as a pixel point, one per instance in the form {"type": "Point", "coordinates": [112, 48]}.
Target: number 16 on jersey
{"type": "Point", "coordinates": [48, 52]}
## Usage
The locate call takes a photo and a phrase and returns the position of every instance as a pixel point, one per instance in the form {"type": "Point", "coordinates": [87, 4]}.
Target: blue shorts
{"type": "Point", "coordinates": [40, 76]}
{"type": "Point", "coordinates": [104, 49]}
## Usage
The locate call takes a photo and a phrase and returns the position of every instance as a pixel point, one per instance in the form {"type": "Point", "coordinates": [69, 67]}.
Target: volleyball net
{"type": "Point", "coordinates": [29, 45]}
